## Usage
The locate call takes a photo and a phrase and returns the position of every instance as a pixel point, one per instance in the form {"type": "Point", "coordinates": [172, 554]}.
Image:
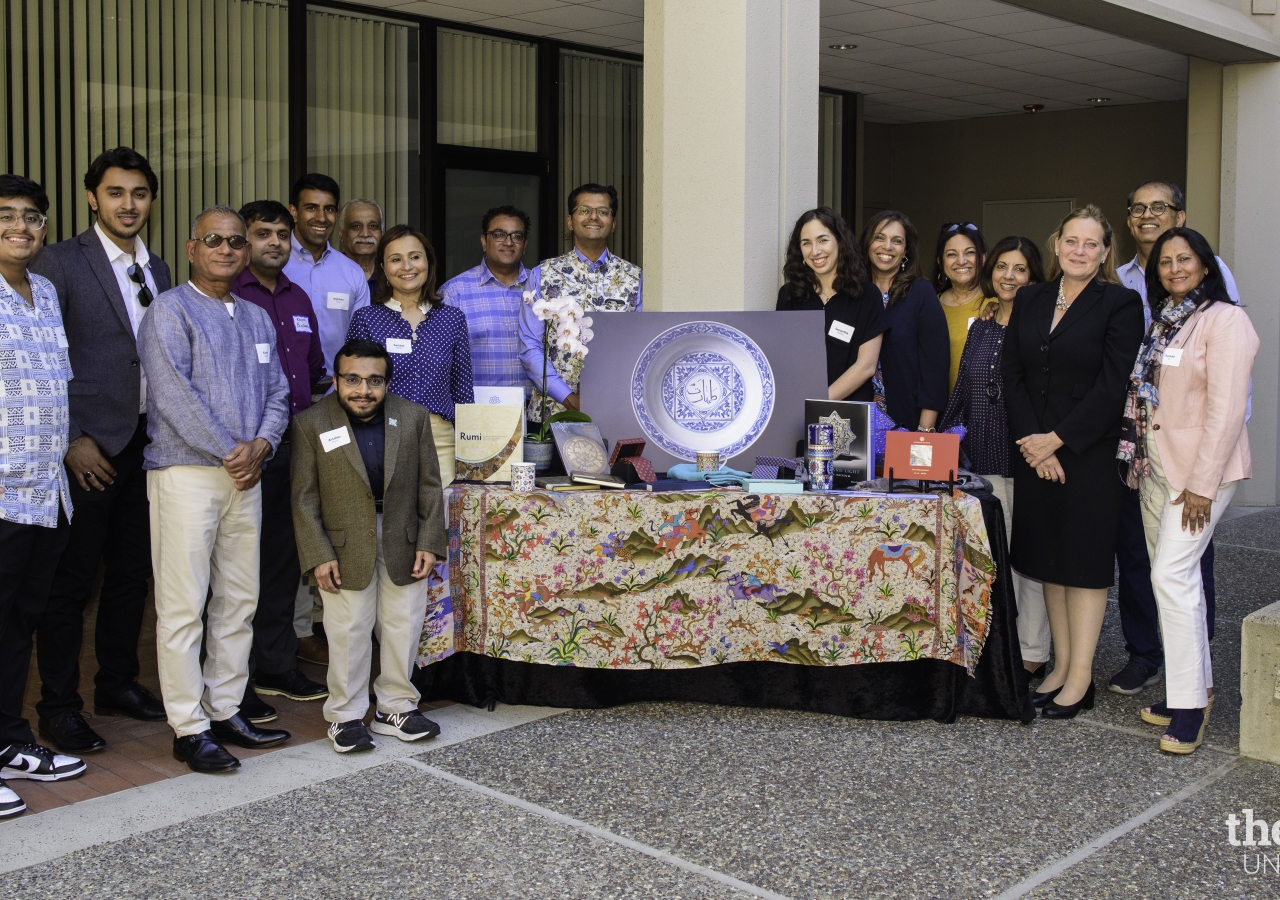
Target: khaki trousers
{"type": "Point", "coordinates": [395, 614]}
{"type": "Point", "coordinates": [204, 545]}
{"type": "Point", "coordinates": [1033, 617]}
{"type": "Point", "coordinates": [442, 434]}
{"type": "Point", "coordinates": [1175, 580]}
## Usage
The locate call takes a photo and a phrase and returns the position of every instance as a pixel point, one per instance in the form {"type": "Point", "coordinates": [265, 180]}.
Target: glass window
{"type": "Point", "coordinates": [487, 92]}
{"type": "Point", "coordinates": [468, 195]}
{"type": "Point", "coordinates": [831, 151]}
{"type": "Point", "coordinates": [363, 109]}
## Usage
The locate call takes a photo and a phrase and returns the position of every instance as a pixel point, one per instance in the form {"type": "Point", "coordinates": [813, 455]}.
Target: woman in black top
{"type": "Point", "coordinates": [1070, 346]}
{"type": "Point", "coordinates": [823, 272]}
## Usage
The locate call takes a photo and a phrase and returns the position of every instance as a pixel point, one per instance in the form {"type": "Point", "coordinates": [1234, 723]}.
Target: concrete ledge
{"type": "Point", "coordinates": [1260, 685]}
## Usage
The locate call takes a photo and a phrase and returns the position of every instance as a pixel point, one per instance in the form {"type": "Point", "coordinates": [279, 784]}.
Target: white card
{"type": "Point", "coordinates": [264, 352]}
{"type": "Point", "coordinates": [972, 319]}
{"type": "Point", "coordinates": [332, 440]}
{"type": "Point", "coordinates": [60, 335]}
{"type": "Point", "coordinates": [1172, 356]}
{"type": "Point", "coordinates": [399, 345]}
{"type": "Point", "coordinates": [392, 422]}
{"type": "Point", "coordinates": [841, 331]}
{"type": "Point", "coordinates": [339, 301]}
{"type": "Point", "coordinates": [301, 324]}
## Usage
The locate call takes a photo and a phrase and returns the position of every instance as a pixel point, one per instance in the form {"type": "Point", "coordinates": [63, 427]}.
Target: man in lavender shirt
{"type": "Point", "coordinates": [217, 407]}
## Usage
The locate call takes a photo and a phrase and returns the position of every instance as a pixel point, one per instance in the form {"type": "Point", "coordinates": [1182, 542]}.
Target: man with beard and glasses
{"type": "Point", "coordinates": [368, 512]}
{"type": "Point", "coordinates": [106, 280]}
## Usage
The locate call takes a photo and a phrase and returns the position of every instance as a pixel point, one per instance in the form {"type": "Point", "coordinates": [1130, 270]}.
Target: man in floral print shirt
{"type": "Point", "coordinates": [595, 278]}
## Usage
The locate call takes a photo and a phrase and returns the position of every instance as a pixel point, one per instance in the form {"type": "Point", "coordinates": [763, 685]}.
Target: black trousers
{"type": "Point", "coordinates": [110, 526]}
{"type": "Point", "coordinates": [28, 557]}
{"type": "Point", "coordinates": [275, 643]}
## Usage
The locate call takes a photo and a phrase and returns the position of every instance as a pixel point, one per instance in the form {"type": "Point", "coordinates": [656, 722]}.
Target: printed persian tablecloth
{"type": "Point", "coordinates": [633, 580]}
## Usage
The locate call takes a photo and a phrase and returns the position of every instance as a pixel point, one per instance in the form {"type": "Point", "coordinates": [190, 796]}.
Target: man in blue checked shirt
{"type": "Point", "coordinates": [34, 504]}
{"type": "Point", "coordinates": [491, 295]}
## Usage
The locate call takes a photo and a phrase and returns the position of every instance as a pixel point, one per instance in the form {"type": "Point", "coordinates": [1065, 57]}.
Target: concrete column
{"type": "Point", "coordinates": [1250, 233]}
{"type": "Point", "coordinates": [1204, 147]}
{"type": "Point", "coordinates": [730, 147]}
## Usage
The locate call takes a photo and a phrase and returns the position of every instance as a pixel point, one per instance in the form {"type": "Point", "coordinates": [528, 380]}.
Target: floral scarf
{"type": "Point", "coordinates": [1142, 386]}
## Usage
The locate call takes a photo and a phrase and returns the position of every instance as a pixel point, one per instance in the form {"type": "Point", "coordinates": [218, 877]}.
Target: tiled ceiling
{"type": "Point", "coordinates": [916, 60]}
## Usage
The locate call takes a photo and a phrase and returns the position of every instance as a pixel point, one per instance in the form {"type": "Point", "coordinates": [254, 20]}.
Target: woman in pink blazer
{"type": "Point", "coordinates": [1187, 448]}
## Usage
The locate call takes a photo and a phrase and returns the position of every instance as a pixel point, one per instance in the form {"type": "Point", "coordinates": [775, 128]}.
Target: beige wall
{"type": "Point", "coordinates": [940, 172]}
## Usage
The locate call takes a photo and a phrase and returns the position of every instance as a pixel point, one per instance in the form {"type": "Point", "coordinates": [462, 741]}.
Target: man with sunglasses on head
{"type": "Point", "coordinates": [492, 295]}
{"type": "Point", "coordinates": [217, 408]}
{"type": "Point", "coordinates": [106, 280]}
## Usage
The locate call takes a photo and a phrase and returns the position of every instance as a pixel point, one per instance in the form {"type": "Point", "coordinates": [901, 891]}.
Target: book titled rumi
{"type": "Point", "coordinates": [488, 438]}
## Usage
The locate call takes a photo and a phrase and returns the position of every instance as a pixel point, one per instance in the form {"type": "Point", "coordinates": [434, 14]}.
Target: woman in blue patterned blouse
{"type": "Point", "coordinates": [427, 340]}
{"type": "Point", "coordinates": [977, 403]}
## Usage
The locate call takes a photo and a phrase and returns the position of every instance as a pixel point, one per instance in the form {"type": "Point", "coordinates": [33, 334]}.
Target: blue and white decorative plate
{"type": "Point", "coordinates": [702, 386]}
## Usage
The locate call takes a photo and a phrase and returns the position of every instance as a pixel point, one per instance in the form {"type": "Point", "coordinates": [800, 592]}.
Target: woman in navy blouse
{"type": "Point", "coordinates": [911, 382]}
{"type": "Point", "coordinates": [977, 403]}
{"type": "Point", "coordinates": [427, 340]}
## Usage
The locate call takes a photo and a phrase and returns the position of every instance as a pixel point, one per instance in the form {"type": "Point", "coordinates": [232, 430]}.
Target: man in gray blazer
{"type": "Point", "coordinates": [105, 279]}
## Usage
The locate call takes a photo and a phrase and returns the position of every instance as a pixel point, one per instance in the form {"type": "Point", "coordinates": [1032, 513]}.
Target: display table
{"type": "Point", "coordinates": [882, 606]}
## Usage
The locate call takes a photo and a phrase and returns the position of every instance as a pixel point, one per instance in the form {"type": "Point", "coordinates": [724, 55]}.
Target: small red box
{"type": "Point", "coordinates": [920, 455]}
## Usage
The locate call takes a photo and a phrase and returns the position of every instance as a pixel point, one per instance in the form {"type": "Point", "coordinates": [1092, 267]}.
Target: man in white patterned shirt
{"type": "Point", "coordinates": [34, 506]}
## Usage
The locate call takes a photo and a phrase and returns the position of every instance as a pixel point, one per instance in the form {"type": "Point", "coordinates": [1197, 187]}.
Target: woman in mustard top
{"type": "Point", "coordinates": [958, 280]}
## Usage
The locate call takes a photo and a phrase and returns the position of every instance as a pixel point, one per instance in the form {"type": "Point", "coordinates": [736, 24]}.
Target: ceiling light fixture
{"type": "Point", "coordinates": [1099, 100]}
{"type": "Point", "coordinates": [843, 46]}
{"type": "Point", "coordinates": [1033, 107]}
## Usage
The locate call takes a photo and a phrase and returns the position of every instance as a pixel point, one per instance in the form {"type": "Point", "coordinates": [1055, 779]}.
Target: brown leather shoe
{"type": "Point", "coordinates": [313, 650]}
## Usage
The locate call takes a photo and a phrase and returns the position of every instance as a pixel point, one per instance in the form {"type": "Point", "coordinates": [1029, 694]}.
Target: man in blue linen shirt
{"type": "Point", "coordinates": [217, 406]}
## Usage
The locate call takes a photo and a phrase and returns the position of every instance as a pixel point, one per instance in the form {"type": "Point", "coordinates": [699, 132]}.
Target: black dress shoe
{"type": "Point", "coordinates": [202, 753]}
{"type": "Point", "coordinates": [255, 709]}
{"type": "Point", "coordinates": [240, 731]}
{"type": "Point", "coordinates": [70, 733]}
{"type": "Point", "coordinates": [1042, 700]}
{"type": "Point", "coordinates": [1056, 711]}
{"type": "Point", "coordinates": [134, 701]}
{"type": "Point", "coordinates": [292, 684]}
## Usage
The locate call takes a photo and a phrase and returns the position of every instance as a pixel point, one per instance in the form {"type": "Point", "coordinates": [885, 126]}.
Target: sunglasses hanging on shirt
{"type": "Point", "coordinates": [138, 276]}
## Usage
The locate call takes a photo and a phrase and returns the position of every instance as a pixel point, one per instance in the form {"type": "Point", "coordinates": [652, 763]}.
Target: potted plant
{"type": "Point", "coordinates": [566, 327]}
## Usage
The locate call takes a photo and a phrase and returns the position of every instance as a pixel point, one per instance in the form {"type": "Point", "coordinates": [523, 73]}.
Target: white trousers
{"type": "Point", "coordinates": [1033, 617]}
{"type": "Point", "coordinates": [204, 546]}
{"type": "Point", "coordinates": [392, 612]}
{"type": "Point", "coordinates": [1175, 580]}
{"type": "Point", "coordinates": [443, 436]}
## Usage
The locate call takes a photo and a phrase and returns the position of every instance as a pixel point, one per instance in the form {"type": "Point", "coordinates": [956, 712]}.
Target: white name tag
{"type": "Point", "coordinates": [332, 440]}
{"type": "Point", "coordinates": [264, 352]}
{"type": "Point", "coordinates": [392, 422]}
{"type": "Point", "coordinates": [972, 319]}
{"type": "Point", "coordinates": [339, 301]}
{"type": "Point", "coordinates": [60, 335]}
{"type": "Point", "coordinates": [302, 324]}
{"type": "Point", "coordinates": [841, 331]}
{"type": "Point", "coordinates": [399, 345]}
{"type": "Point", "coordinates": [1172, 356]}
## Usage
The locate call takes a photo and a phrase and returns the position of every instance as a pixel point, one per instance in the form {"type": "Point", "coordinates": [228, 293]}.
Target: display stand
{"type": "Point", "coordinates": [922, 484]}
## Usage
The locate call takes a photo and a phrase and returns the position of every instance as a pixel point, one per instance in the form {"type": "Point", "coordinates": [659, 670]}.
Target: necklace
{"type": "Point", "coordinates": [1061, 303]}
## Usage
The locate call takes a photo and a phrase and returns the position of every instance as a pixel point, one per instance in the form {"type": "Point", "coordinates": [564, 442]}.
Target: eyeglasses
{"type": "Point", "coordinates": [1157, 209]}
{"type": "Point", "coordinates": [9, 219]}
{"type": "Point", "coordinates": [503, 237]}
{"type": "Point", "coordinates": [960, 226]}
{"type": "Point", "coordinates": [213, 241]}
{"type": "Point", "coordinates": [586, 212]}
{"type": "Point", "coordinates": [354, 381]}
{"type": "Point", "coordinates": [139, 277]}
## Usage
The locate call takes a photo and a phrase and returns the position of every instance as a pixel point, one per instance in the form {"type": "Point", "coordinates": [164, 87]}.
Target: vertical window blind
{"type": "Point", "coordinates": [601, 123]}
{"type": "Point", "coordinates": [831, 151]}
{"type": "Point", "coordinates": [199, 87]}
{"type": "Point", "coordinates": [363, 109]}
{"type": "Point", "coordinates": [487, 92]}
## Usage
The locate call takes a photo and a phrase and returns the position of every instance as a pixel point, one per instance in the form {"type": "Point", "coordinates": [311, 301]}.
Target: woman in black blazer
{"type": "Point", "coordinates": [1070, 347]}
{"type": "Point", "coordinates": [916, 354]}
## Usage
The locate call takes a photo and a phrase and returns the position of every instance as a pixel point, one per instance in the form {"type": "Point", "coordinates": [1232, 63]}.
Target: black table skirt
{"type": "Point", "coordinates": [923, 689]}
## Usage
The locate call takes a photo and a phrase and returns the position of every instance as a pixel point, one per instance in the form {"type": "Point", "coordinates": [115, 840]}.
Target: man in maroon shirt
{"type": "Point", "coordinates": [263, 283]}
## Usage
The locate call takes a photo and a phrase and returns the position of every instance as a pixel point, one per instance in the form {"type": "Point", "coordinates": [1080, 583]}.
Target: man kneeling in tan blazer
{"type": "Point", "coordinates": [369, 517]}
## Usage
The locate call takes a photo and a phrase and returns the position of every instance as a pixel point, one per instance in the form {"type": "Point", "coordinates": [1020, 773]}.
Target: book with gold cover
{"type": "Point", "coordinates": [487, 439]}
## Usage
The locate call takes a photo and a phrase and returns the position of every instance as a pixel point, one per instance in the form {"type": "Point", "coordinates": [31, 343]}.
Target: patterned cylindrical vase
{"type": "Point", "coordinates": [820, 474]}
{"type": "Point", "coordinates": [522, 476]}
{"type": "Point", "coordinates": [822, 435]}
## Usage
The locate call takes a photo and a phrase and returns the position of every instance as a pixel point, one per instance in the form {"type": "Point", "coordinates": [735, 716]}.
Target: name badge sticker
{"type": "Point", "coordinates": [972, 319]}
{"type": "Point", "coordinates": [399, 345]}
{"type": "Point", "coordinates": [332, 440]}
{"type": "Point", "coordinates": [392, 422]}
{"type": "Point", "coordinates": [841, 332]}
{"type": "Point", "coordinates": [60, 335]}
{"type": "Point", "coordinates": [339, 301]}
{"type": "Point", "coordinates": [301, 324]}
{"type": "Point", "coordinates": [264, 352]}
{"type": "Point", "coordinates": [1172, 357]}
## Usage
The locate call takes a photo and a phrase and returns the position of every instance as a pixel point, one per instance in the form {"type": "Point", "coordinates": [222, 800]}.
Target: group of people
{"type": "Point", "coordinates": [1106, 407]}
{"type": "Point", "coordinates": [286, 410]}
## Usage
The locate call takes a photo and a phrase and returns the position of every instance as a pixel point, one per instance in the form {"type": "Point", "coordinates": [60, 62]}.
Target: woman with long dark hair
{"type": "Point", "coordinates": [823, 271]}
{"type": "Point", "coordinates": [957, 277]}
{"type": "Point", "coordinates": [427, 340]}
{"type": "Point", "coordinates": [1191, 377]}
{"type": "Point", "coordinates": [911, 380]}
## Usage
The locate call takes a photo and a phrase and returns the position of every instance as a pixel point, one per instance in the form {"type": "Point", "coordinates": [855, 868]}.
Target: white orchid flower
{"type": "Point", "coordinates": [571, 310]}
{"type": "Point", "coordinates": [543, 309]}
{"type": "Point", "coordinates": [585, 321]}
{"type": "Point", "coordinates": [585, 334]}
{"type": "Point", "coordinates": [568, 329]}
{"type": "Point", "coordinates": [530, 296]}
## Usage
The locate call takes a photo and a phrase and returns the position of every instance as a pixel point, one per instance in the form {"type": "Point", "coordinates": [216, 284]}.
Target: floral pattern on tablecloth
{"type": "Point", "coordinates": [632, 580]}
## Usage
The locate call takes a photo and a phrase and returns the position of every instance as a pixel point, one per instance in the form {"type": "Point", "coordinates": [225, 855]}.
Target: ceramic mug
{"type": "Point", "coordinates": [708, 461]}
{"type": "Point", "coordinates": [522, 476]}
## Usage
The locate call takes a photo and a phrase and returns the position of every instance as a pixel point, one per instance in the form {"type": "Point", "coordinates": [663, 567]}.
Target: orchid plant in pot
{"type": "Point", "coordinates": [565, 327]}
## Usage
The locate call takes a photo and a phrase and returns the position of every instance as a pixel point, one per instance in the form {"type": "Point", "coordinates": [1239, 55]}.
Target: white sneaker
{"type": "Point", "coordinates": [38, 763]}
{"type": "Point", "coordinates": [10, 803]}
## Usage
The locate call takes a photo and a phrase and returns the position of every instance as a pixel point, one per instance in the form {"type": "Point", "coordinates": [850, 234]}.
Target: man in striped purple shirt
{"type": "Point", "coordinates": [491, 296]}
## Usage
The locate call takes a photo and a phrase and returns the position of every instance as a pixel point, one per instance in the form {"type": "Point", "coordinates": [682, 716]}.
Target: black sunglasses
{"type": "Point", "coordinates": [957, 226]}
{"type": "Point", "coordinates": [138, 276]}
